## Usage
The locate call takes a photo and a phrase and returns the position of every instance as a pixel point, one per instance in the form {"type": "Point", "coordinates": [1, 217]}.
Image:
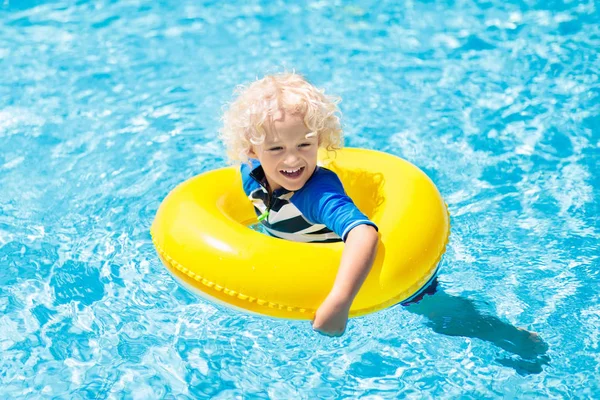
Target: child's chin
{"type": "Point", "coordinates": [293, 186]}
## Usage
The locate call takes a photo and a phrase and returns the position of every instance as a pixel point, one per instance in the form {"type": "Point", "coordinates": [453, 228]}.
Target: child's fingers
{"type": "Point", "coordinates": [331, 332]}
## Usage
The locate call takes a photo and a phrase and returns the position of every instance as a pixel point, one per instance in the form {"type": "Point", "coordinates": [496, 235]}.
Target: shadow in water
{"type": "Point", "coordinates": [457, 316]}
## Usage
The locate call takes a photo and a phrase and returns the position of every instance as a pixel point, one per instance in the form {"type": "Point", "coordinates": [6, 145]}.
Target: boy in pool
{"type": "Point", "coordinates": [274, 128]}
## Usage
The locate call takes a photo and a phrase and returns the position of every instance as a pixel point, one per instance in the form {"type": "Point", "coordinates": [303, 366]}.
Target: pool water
{"type": "Point", "coordinates": [106, 105]}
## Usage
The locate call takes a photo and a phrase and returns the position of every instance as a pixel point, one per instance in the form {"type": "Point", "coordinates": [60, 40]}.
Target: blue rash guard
{"type": "Point", "coordinates": [319, 212]}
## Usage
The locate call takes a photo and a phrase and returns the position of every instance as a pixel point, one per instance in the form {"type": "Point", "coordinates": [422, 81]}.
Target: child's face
{"type": "Point", "coordinates": [289, 153]}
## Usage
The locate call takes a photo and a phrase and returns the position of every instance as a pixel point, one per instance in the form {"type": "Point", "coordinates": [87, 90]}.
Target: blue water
{"type": "Point", "coordinates": [107, 105]}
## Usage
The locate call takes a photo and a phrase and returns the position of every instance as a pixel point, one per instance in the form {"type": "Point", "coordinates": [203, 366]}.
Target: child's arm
{"type": "Point", "coordinates": [357, 259]}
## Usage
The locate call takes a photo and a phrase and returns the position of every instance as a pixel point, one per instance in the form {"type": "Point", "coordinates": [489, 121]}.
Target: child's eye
{"type": "Point", "coordinates": [276, 148]}
{"type": "Point", "coordinates": [305, 145]}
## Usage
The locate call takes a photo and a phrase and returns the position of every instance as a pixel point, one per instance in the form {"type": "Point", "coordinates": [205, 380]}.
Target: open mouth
{"type": "Point", "coordinates": [292, 173]}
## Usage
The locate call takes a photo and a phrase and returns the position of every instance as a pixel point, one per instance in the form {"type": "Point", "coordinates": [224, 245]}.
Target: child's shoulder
{"type": "Point", "coordinates": [324, 179]}
{"type": "Point", "coordinates": [323, 173]}
{"type": "Point", "coordinates": [248, 182]}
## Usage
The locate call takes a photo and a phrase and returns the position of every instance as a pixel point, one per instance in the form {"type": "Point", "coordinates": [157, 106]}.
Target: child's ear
{"type": "Point", "coordinates": [251, 153]}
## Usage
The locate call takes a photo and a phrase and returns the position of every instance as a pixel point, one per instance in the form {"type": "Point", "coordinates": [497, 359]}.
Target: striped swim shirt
{"type": "Point", "coordinates": [319, 212]}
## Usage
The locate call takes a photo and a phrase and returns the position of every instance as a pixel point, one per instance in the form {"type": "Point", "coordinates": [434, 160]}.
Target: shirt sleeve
{"type": "Point", "coordinates": [323, 201]}
{"type": "Point", "coordinates": [248, 183]}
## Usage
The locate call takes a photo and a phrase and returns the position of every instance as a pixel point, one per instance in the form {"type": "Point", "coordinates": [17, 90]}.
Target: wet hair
{"type": "Point", "coordinates": [257, 103]}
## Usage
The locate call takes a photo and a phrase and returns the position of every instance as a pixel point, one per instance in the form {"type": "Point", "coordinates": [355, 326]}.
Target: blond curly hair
{"type": "Point", "coordinates": [256, 104]}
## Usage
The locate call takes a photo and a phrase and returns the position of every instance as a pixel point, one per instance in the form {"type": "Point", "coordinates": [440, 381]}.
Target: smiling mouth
{"type": "Point", "coordinates": [292, 173]}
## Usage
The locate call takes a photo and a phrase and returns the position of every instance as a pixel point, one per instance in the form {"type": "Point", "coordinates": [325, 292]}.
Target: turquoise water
{"type": "Point", "coordinates": [107, 105]}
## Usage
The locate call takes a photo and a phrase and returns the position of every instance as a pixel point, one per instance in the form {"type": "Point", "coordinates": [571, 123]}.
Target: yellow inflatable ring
{"type": "Point", "coordinates": [201, 234]}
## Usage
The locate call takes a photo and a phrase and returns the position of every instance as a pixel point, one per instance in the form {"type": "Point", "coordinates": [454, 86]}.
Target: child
{"type": "Point", "coordinates": [275, 127]}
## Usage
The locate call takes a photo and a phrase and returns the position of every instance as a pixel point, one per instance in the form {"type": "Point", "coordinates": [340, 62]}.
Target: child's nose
{"type": "Point", "coordinates": [291, 158]}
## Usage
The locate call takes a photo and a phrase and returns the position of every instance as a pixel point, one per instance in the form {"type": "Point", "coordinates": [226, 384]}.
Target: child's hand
{"type": "Point", "coordinates": [332, 316]}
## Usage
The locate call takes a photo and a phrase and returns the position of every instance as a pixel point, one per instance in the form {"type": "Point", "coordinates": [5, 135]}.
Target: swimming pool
{"type": "Point", "coordinates": [107, 105]}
